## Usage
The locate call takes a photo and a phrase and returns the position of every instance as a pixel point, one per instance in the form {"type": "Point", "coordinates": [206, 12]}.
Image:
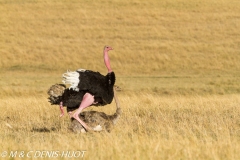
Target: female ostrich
{"type": "Point", "coordinates": [95, 119]}
{"type": "Point", "coordinates": [86, 88]}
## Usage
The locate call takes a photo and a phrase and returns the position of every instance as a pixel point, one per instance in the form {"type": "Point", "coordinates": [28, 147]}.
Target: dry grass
{"type": "Point", "coordinates": [168, 37]}
{"type": "Point", "coordinates": [176, 60]}
{"type": "Point", "coordinates": [151, 127]}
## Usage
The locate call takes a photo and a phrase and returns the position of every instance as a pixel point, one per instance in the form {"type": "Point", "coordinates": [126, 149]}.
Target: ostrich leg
{"type": "Point", "coordinates": [88, 99]}
{"type": "Point", "coordinates": [61, 109]}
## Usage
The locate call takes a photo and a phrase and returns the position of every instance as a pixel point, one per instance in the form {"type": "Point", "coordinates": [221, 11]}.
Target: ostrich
{"type": "Point", "coordinates": [97, 119]}
{"type": "Point", "coordinates": [86, 88]}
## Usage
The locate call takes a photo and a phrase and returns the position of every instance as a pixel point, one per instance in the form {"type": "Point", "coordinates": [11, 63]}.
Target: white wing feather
{"type": "Point", "coordinates": [71, 78]}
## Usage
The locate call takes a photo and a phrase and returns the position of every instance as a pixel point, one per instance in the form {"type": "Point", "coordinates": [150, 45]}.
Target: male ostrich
{"type": "Point", "coordinates": [86, 88]}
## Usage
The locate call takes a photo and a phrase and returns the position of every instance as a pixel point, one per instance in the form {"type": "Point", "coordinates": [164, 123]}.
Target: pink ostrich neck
{"type": "Point", "coordinates": [107, 61]}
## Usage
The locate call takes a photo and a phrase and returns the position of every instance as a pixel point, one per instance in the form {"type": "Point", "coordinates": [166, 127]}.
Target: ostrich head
{"type": "Point", "coordinates": [108, 48]}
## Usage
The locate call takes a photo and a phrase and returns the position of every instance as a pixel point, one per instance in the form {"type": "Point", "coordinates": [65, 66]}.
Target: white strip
{"type": "Point", "coordinates": [7, 124]}
{"type": "Point", "coordinates": [71, 78]}
{"type": "Point", "coordinates": [81, 70]}
{"type": "Point", "coordinates": [97, 128]}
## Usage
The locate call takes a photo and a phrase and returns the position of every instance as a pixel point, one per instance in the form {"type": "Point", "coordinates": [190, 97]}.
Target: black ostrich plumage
{"type": "Point", "coordinates": [98, 85]}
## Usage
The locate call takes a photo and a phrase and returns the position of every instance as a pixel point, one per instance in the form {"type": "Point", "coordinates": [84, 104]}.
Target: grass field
{"type": "Point", "coordinates": [177, 62]}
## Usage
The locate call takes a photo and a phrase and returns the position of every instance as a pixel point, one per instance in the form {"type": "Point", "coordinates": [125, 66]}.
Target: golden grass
{"type": "Point", "coordinates": [151, 127]}
{"type": "Point", "coordinates": [176, 60]}
{"type": "Point", "coordinates": [168, 37]}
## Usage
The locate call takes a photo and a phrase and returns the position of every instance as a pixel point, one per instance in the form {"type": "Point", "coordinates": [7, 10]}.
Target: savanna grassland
{"type": "Point", "coordinates": [177, 62]}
